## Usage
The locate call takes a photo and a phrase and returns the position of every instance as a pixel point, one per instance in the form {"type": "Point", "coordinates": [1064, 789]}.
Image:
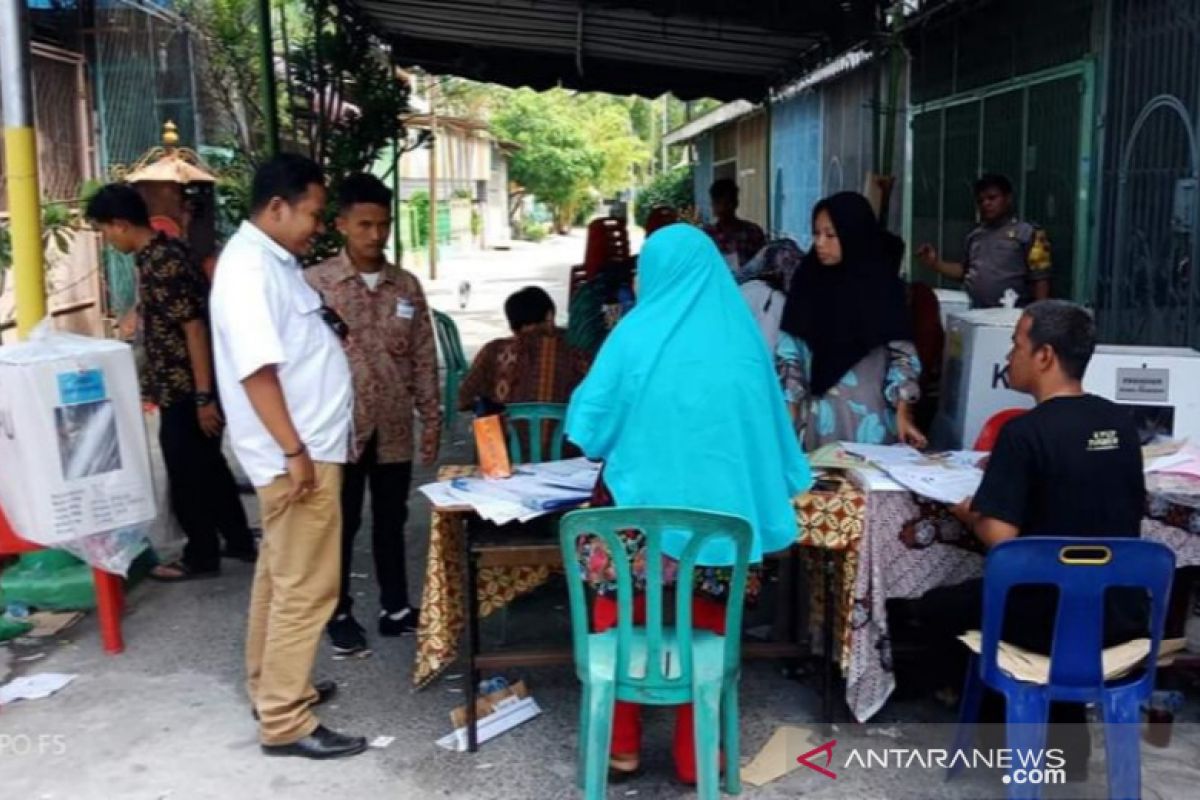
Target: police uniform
{"type": "Point", "coordinates": [1013, 255]}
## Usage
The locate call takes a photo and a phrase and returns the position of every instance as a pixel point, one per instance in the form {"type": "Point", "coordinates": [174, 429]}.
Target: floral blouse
{"type": "Point", "coordinates": [862, 406]}
{"type": "Point", "coordinates": [601, 573]}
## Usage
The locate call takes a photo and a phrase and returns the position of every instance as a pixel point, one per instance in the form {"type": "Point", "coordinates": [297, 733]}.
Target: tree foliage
{"type": "Point", "coordinates": [675, 189]}
{"type": "Point", "coordinates": [573, 148]}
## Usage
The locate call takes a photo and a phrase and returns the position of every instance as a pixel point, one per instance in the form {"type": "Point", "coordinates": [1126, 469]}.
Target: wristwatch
{"type": "Point", "coordinates": [204, 399]}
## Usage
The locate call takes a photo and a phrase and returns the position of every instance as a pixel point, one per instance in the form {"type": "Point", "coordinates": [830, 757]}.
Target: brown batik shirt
{"type": "Point", "coordinates": [171, 291]}
{"type": "Point", "coordinates": [535, 366]}
{"type": "Point", "coordinates": [392, 354]}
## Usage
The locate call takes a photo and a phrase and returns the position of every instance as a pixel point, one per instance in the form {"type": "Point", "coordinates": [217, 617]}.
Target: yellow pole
{"type": "Point", "coordinates": [20, 155]}
{"type": "Point", "coordinates": [28, 266]}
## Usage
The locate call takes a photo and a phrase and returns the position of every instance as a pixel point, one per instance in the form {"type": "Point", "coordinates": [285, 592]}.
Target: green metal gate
{"type": "Point", "coordinates": [1034, 130]}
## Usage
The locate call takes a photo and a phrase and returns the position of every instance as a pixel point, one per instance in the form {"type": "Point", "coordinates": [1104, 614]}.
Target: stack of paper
{"type": "Point", "coordinates": [533, 490]}
{"type": "Point", "coordinates": [1186, 462]}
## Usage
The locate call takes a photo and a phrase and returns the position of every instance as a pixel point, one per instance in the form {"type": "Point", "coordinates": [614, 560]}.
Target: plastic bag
{"type": "Point", "coordinates": [113, 551]}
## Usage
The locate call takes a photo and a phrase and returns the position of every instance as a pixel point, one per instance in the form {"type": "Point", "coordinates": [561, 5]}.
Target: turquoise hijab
{"type": "Point", "coordinates": [683, 403]}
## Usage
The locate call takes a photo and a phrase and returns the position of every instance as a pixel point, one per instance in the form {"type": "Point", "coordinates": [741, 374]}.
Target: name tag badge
{"type": "Point", "coordinates": [404, 309]}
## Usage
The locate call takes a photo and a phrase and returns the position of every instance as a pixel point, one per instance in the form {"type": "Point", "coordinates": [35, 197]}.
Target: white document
{"type": "Point", "coordinates": [873, 479]}
{"type": "Point", "coordinates": [945, 484]}
{"type": "Point", "coordinates": [33, 687]}
{"type": "Point", "coordinates": [883, 455]}
{"type": "Point", "coordinates": [961, 458]}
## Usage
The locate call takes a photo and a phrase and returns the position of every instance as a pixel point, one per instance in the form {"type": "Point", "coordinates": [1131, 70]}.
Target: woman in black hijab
{"type": "Point", "coordinates": [849, 366]}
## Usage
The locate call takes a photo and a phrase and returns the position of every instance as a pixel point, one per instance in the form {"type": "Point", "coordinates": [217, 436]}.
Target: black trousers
{"type": "Point", "coordinates": [204, 495]}
{"type": "Point", "coordinates": [389, 514]}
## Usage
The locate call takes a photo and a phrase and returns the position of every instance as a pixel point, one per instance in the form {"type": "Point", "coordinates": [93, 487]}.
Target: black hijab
{"type": "Point", "coordinates": [845, 311]}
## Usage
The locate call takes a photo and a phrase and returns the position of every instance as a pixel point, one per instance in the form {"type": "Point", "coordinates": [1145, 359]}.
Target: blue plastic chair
{"type": "Point", "coordinates": [657, 664]}
{"type": "Point", "coordinates": [1082, 569]}
{"type": "Point", "coordinates": [530, 417]}
{"type": "Point", "coordinates": [455, 362]}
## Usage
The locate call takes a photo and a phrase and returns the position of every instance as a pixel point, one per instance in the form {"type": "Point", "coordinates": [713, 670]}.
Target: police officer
{"type": "Point", "coordinates": [1002, 253]}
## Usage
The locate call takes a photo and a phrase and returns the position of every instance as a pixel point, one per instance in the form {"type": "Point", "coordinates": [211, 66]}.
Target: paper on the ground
{"type": "Point", "coordinates": [883, 455]}
{"type": "Point", "coordinates": [50, 623]}
{"type": "Point", "coordinates": [506, 717]}
{"type": "Point", "coordinates": [34, 687]}
{"type": "Point", "coordinates": [943, 483]}
{"type": "Point", "coordinates": [1116, 661]}
{"type": "Point", "coordinates": [778, 756]}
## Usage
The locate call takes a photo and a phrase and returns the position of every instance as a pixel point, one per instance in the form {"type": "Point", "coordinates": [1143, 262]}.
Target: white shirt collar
{"type": "Point", "coordinates": [255, 233]}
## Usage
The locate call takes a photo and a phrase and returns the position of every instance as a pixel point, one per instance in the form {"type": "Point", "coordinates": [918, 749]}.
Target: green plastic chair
{"type": "Point", "coordinates": [456, 365]}
{"type": "Point", "coordinates": [657, 664]}
{"type": "Point", "coordinates": [531, 416]}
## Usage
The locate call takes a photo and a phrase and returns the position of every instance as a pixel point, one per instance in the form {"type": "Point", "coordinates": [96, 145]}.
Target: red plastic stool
{"type": "Point", "coordinates": [110, 594]}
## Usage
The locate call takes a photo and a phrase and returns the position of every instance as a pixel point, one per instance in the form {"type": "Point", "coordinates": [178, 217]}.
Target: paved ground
{"type": "Point", "coordinates": [167, 719]}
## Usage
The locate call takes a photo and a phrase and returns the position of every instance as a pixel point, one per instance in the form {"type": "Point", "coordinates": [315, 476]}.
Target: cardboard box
{"type": "Point", "coordinates": [72, 439]}
{"type": "Point", "coordinates": [975, 375]}
{"type": "Point", "coordinates": [951, 301]}
{"type": "Point", "coordinates": [495, 714]}
{"type": "Point", "coordinates": [1160, 385]}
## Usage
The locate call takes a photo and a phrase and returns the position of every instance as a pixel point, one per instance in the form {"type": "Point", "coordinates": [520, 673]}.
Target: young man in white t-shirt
{"type": "Point", "coordinates": [288, 398]}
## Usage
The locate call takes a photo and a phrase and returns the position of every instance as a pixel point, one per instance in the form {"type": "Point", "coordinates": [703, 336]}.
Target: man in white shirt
{"type": "Point", "coordinates": [288, 399]}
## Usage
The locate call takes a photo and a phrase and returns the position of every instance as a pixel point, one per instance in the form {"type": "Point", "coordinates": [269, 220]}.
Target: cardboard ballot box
{"type": "Point", "coordinates": [975, 375]}
{"type": "Point", "coordinates": [72, 438]}
{"type": "Point", "coordinates": [951, 301]}
{"type": "Point", "coordinates": [1159, 385]}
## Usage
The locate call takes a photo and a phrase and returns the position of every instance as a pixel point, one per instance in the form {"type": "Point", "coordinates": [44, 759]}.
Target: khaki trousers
{"type": "Point", "coordinates": [295, 591]}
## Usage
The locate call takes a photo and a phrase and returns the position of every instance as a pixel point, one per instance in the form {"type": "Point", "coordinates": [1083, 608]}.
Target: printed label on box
{"type": "Point", "coordinates": [81, 386]}
{"type": "Point", "coordinates": [1141, 385]}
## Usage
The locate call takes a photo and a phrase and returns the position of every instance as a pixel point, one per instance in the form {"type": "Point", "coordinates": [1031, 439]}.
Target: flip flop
{"type": "Point", "coordinates": [185, 573]}
{"type": "Point", "coordinates": [618, 776]}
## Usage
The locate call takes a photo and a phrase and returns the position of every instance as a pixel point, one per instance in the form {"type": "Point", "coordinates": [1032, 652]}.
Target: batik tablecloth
{"type": "Point", "coordinates": [442, 608]}
{"type": "Point", "coordinates": [826, 519]}
{"type": "Point", "coordinates": [908, 547]}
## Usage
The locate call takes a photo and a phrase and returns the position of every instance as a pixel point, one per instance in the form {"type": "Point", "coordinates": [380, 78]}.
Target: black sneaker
{"type": "Point", "coordinates": [347, 637]}
{"type": "Point", "coordinates": [399, 623]}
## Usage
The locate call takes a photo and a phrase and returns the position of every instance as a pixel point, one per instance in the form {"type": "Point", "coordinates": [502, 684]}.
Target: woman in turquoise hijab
{"type": "Point", "coordinates": [684, 407]}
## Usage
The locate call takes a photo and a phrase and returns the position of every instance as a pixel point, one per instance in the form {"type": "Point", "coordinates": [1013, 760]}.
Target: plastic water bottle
{"type": "Point", "coordinates": [1191, 629]}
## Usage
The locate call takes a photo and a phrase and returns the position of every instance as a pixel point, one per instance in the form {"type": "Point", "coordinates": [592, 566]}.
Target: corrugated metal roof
{"type": "Point", "coordinates": [713, 119]}
{"type": "Point", "coordinates": [728, 49]}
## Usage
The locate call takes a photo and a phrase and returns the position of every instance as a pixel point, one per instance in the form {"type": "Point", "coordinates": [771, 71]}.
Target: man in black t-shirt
{"type": "Point", "coordinates": [1070, 467]}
